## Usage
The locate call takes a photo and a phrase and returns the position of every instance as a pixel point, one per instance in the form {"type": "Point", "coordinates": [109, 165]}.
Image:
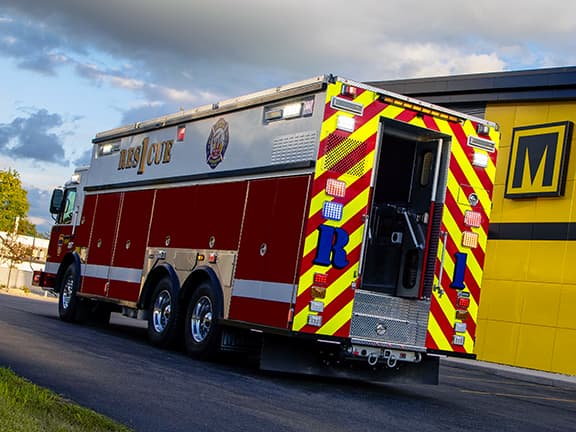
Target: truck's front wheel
{"type": "Point", "coordinates": [69, 306]}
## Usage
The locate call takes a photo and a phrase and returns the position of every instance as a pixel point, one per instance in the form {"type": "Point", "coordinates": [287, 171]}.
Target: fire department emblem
{"type": "Point", "coordinates": [217, 143]}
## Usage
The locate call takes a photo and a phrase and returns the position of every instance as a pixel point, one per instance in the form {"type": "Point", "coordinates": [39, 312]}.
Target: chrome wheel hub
{"type": "Point", "coordinates": [201, 319]}
{"type": "Point", "coordinates": [161, 311]}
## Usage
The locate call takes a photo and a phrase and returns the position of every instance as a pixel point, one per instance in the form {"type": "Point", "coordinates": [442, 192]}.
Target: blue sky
{"type": "Point", "coordinates": [72, 68]}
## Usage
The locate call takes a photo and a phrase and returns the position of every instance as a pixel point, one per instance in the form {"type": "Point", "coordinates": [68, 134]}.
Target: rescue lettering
{"type": "Point", "coordinates": [330, 248]}
{"type": "Point", "coordinates": [145, 154]}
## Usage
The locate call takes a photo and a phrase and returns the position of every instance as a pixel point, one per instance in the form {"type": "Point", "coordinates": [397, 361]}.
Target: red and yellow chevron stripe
{"type": "Point", "coordinates": [350, 157]}
{"type": "Point", "coordinates": [463, 179]}
{"type": "Point", "coordinates": [347, 157]}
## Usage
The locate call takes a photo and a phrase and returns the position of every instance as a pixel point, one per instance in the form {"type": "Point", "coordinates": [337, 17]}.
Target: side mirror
{"type": "Point", "coordinates": [56, 201]}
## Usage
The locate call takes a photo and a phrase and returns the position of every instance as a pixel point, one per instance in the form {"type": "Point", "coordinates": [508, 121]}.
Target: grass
{"type": "Point", "coordinates": [25, 407]}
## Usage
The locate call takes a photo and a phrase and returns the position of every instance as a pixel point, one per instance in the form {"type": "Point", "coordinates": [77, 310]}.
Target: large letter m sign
{"type": "Point", "coordinates": [538, 160]}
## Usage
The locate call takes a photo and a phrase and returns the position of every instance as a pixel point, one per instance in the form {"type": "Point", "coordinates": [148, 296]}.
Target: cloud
{"type": "Point", "coordinates": [180, 53]}
{"type": "Point", "coordinates": [33, 46]}
{"type": "Point", "coordinates": [153, 92]}
{"type": "Point", "coordinates": [30, 138]}
{"type": "Point", "coordinates": [229, 47]}
{"type": "Point", "coordinates": [146, 111]}
{"type": "Point", "coordinates": [298, 37]}
{"type": "Point", "coordinates": [83, 159]}
{"type": "Point", "coordinates": [38, 213]}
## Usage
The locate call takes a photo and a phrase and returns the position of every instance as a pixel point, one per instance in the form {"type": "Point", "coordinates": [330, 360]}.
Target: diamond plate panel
{"type": "Point", "coordinates": [389, 319]}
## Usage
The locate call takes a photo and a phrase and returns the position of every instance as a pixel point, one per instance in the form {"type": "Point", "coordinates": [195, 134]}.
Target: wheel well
{"type": "Point", "coordinates": [205, 274]}
{"type": "Point", "coordinates": [153, 278]}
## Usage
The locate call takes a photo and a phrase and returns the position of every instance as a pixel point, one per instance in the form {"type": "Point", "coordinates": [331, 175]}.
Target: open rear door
{"type": "Point", "coordinates": [402, 239]}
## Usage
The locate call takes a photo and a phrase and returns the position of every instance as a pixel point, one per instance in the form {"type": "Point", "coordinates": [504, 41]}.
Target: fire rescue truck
{"type": "Point", "coordinates": [331, 227]}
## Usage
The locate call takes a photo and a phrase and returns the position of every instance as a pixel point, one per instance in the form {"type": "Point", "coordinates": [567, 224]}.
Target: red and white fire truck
{"type": "Point", "coordinates": [334, 227]}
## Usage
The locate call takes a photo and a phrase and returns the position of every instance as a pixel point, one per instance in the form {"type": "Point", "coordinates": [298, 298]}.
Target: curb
{"type": "Point", "coordinates": [34, 293]}
{"type": "Point", "coordinates": [532, 375]}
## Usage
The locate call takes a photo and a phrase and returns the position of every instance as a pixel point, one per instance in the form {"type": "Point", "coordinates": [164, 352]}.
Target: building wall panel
{"type": "Point", "coordinates": [526, 317]}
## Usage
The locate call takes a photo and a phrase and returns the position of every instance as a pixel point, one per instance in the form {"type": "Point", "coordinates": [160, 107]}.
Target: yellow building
{"type": "Point", "coordinates": [527, 313]}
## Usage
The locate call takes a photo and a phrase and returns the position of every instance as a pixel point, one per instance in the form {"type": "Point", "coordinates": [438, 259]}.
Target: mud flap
{"type": "Point", "coordinates": [310, 357]}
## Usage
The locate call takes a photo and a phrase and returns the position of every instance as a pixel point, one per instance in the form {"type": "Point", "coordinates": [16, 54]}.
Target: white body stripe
{"type": "Point", "coordinates": [271, 291]}
{"type": "Point", "coordinates": [102, 272]}
{"type": "Point", "coordinates": [114, 273]}
{"type": "Point", "coordinates": [126, 274]}
{"type": "Point", "coordinates": [51, 267]}
{"type": "Point", "coordinates": [95, 271]}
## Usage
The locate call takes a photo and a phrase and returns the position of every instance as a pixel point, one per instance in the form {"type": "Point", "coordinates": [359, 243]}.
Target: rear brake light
{"type": "Point", "coordinates": [320, 279]}
{"type": "Point", "coordinates": [462, 302]}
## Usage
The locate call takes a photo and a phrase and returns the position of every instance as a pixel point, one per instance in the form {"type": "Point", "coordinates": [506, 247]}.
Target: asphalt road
{"type": "Point", "coordinates": [114, 371]}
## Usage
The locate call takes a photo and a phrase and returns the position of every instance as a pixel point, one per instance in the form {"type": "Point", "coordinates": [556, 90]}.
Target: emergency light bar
{"type": "Point", "coordinates": [108, 147]}
{"type": "Point", "coordinates": [348, 90]}
{"type": "Point", "coordinates": [291, 110]}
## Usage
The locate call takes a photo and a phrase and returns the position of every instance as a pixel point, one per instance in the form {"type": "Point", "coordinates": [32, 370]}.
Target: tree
{"type": "Point", "coordinates": [14, 204]}
{"type": "Point", "coordinates": [13, 251]}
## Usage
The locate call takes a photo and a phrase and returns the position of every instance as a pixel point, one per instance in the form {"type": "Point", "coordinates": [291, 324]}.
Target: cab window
{"type": "Point", "coordinates": [68, 207]}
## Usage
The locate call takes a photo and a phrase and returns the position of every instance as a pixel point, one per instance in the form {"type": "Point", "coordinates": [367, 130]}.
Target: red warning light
{"type": "Point", "coordinates": [321, 279]}
{"type": "Point", "coordinates": [181, 134]}
{"type": "Point", "coordinates": [462, 302]}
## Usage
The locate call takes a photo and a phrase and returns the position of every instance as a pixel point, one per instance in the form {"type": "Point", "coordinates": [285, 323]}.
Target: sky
{"type": "Point", "coordinates": [72, 68]}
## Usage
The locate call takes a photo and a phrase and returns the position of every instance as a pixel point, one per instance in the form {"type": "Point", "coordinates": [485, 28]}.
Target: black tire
{"type": "Point", "coordinates": [202, 330]}
{"type": "Point", "coordinates": [70, 308]}
{"type": "Point", "coordinates": [164, 327]}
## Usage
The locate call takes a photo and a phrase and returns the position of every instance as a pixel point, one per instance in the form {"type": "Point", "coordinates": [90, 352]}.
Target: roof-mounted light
{"type": "Point", "coordinates": [348, 90]}
{"type": "Point", "coordinates": [290, 110]}
{"type": "Point", "coordinates": [108, 147]}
